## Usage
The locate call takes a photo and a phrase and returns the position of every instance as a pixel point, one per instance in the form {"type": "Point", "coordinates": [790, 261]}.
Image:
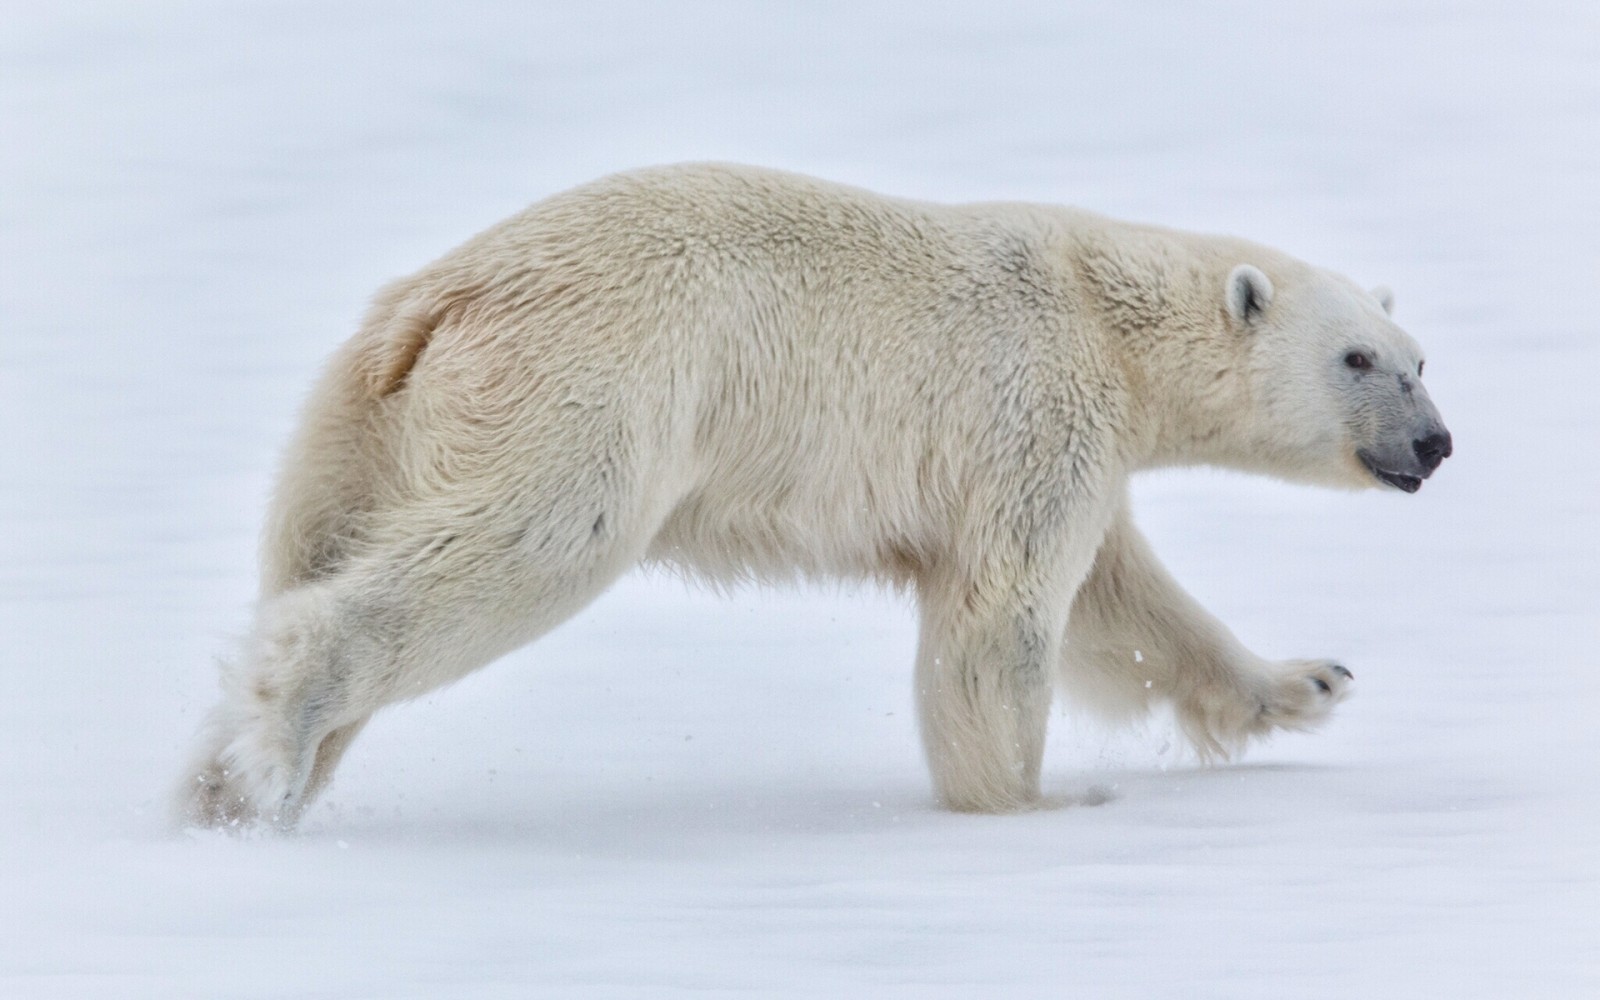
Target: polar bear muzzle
{"type": "Point", "coordinates": [1405, 470]}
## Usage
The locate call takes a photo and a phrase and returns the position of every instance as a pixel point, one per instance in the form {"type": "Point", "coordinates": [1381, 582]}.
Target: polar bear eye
{"type": "Point", "coordinates": [1360, 362]}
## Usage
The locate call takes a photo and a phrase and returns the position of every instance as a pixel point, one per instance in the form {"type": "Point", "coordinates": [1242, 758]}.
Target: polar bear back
{"type": "Point", "coordinates": [813, 378]}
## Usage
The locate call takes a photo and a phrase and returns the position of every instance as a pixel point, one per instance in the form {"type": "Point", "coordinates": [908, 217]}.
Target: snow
{"type": "Point", "coordinates": [681, 793]}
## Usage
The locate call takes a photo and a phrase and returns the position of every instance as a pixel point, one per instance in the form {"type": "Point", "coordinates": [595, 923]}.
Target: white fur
{"type": "Point", "coordinates": [751, 375]}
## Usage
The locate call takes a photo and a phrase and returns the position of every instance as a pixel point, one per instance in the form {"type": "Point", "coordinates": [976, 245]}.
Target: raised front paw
{"type": "Point", "coordinates": [1220, 718]}
{"type": "Point", "coordinates": [1301, 693]}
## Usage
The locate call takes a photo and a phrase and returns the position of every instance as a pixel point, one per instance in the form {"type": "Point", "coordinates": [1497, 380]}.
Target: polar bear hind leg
{"type": "Point", "coordinates": [438, 600]}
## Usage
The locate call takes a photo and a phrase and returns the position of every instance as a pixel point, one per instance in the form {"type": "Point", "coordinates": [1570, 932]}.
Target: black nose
{"type": "Point", "coordinates": [1432, 450]}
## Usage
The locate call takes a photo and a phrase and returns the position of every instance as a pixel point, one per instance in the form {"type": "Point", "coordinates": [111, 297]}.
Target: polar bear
{"type": "Point", "coordinates": [750, 375]}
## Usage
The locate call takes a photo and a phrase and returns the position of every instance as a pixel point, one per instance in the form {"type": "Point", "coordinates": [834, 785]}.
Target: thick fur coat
{"type": "Point", "coordinates": [752, 375]}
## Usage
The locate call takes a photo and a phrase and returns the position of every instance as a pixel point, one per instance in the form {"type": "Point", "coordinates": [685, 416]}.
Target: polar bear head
{"type": "Point", "coordinates": [1336, 386]}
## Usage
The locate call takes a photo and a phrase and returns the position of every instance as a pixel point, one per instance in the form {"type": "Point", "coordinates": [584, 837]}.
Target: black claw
{"type": "Point", "coordinates": [1340, 669]}
{"type": "Point", "coordinates": [1322, 685]}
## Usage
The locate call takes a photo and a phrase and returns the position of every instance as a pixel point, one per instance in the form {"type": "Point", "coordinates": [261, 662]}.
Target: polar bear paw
{"type": "Point", "coordinates": [242, 786]}
{"type": "Point", "coordinates": [1301, 693]}
{"type": "Point", "coordinates": [1291, 694]}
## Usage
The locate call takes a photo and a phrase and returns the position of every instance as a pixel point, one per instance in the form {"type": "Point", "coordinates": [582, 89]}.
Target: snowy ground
{"type": "Point", "coordinates": [679, 793]}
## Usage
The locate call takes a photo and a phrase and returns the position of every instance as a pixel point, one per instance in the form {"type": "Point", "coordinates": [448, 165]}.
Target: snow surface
{"type": "Point", "coordinates": [679, 793]}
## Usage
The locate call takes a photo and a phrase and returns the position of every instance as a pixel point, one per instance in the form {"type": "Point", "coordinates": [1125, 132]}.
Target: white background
{"type": "Point", "coordinates": [681, 793]}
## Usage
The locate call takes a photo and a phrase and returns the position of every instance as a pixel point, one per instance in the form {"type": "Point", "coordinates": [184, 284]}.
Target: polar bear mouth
{"type": "Point", "coordinates": [1399, 480]}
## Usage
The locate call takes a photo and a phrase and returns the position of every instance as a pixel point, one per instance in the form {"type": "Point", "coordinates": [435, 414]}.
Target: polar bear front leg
{"type": "Point", "coordinates": [987, 647]}
{"type": "Point", "coordinates": [983, 692]}
{"type": "Point", "coordinates": [1135, 636]}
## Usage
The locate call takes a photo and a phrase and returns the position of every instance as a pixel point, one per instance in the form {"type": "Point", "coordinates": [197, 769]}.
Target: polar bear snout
{"type": "Point", "coordinates": [1407, 471]}
{"type": "Point", "coordinates": [1432, 450]}
{"type": "Point", "coordinates": [1401, 439]}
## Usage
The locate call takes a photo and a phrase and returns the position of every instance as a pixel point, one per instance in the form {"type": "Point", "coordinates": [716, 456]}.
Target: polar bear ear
{"type": "Point", "coordinates": [1249, 293]}
{"type": "Point", "coordinates": [1385, 296]}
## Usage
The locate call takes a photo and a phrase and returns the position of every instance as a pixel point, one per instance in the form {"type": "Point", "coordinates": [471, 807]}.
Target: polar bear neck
{"type": "Point", "coordinates": [1187, 370]}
